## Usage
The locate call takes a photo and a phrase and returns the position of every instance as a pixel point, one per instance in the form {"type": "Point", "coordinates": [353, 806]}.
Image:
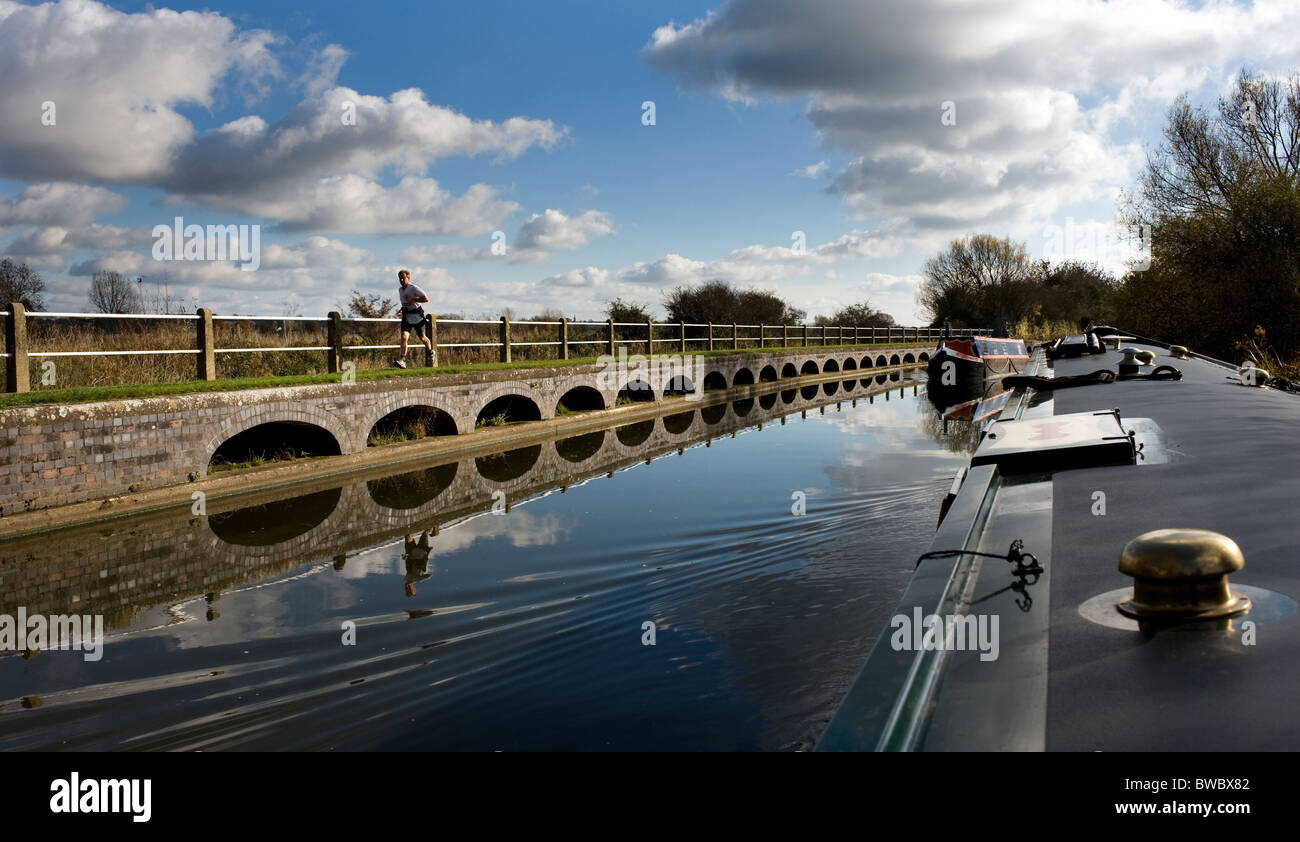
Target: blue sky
{"type": "Point", "coordinates": [526, 118]}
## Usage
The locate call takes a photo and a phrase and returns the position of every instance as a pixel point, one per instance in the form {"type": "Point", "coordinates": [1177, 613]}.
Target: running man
{"type": "Point", "coordinates": [410, 297]}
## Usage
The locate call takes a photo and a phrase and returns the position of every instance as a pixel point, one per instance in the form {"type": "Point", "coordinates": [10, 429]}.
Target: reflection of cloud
{"type": "Point", "coordinates": [520, 528]}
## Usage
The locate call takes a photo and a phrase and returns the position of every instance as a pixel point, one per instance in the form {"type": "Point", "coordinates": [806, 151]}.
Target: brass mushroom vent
{"type": "Point", "coordinates": [1182, 574]}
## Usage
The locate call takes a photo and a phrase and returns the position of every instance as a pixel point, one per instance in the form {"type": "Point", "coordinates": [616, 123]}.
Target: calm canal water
{"type": "Point", "coordinates": [523, 630]}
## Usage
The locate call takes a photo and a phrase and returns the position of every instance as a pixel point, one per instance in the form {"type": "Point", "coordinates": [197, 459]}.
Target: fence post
{"type": "Point", "coordinates": [206, 346]}
{"type": "Point", "coordinates": [649, 337]}
{"type": "Point", "coordinates": [839, 334]}
{"type": "Point", "coordinates": [17, 376]}
{"type": "Point", "coordinates": [335, 333]}
{"type": "Point", "coordinates": [505, 339]}
{"type": "Point", "coordinates": [682, 327]}
{"type": "Point", "coordinates": [762, 336]}
{"type": "Point", "coordinates": [857, 334]}
{"type": "Point", "coordinates": [735, 337]}
{"type": "Point", "coordinates": [785, 336]}
{"type": "Point", "coordinates": [564, 339]}
{"type": "Point", "coordinates": [710, 336]}
{"type": "Point", "coordinates": [431, 353]}
{"type": "Point", "coordinates": [611, 337]}
{"type": "Point", "coordinates": [805, 334]}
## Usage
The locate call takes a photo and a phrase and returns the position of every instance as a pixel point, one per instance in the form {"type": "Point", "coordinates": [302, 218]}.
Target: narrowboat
{"type": "Point", "coordinates": [1115, 568]}
{"type": "Point", "coordinates": [965, 362]}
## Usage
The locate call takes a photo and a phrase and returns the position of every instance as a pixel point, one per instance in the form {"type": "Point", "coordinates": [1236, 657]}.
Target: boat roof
{"type": "Point", "coordinates": [1071, 672]}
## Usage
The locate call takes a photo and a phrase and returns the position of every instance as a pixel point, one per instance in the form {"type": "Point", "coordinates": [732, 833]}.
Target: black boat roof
{"type": "Point", "coordinates": [1072, 673]}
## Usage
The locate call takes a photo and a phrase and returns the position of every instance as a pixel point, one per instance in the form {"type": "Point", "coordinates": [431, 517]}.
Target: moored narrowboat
{"type": "Point", "coordinates": [967, 361]}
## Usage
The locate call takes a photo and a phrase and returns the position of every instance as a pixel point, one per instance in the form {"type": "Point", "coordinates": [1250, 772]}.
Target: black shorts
{"type": "Point", "coordinates": [417, 329]}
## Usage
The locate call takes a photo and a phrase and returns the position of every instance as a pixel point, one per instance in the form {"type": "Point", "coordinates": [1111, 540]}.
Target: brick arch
{"type": "Point", "coordinates": [511, 387]}
{"type": "Point", "coordinates": [400, 400]}
{"type": "Point", "coordinates": [300, 412]}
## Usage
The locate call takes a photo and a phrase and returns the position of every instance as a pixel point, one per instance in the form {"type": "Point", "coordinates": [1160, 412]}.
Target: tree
{"type": "Point", "coordinates": [361, 306]}
{"type": "Point", "coordinates": [1222, 197]}
{"type": "Point", "coordinates": [113, 292]}
{"type": "Point", "coordinates": [1074, 291]}
{"type": "Point", "coordinates": [979, 281]}
{"type": "Point", "coordinates": [857, 315]}
{"type": "Point", "coordinates": [626, 311]}
{"type": "Point", "coordinates": [20, 284]}
{"type": "Point", "coordinates": [719, 302]}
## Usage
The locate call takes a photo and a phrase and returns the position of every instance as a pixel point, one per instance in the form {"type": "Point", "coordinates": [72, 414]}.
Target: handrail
{"type": "Point", "coordinates": [610, 335]}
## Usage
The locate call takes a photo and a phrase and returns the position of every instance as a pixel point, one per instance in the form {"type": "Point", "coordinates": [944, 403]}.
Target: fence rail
{"type": "Point", "coordinates": [636, 337]}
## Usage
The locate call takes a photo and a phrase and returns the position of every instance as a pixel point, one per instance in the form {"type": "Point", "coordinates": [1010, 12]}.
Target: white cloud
{"type": "Point", "coordinates": [115, 80]}
{"type": "Point", "coordinates": [553, 229]}
{"type": "Point", "coordinates": [58, 203]}
{"type": "Point", "coordinates": [1041, 93]}
{"type": "Point", "coordinates": [812, 170]}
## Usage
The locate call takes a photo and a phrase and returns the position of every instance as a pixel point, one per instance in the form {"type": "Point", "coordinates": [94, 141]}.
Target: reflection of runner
{"type": "Point", "coordinates": [417, 560]}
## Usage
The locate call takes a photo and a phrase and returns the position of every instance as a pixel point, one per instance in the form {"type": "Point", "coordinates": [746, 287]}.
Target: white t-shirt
{"type": "Point", "coordinates": [410, 296]}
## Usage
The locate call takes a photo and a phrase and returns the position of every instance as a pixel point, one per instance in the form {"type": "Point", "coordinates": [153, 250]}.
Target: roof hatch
{"type": "Point", "coordinates": [1059, 442]}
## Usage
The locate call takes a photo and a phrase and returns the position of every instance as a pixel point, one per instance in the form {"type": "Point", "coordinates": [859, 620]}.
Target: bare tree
{"type": "Point", "coordinates": [362, 306]}
{"type": "Point", "coordinates": [20, 284]}
{"type": "Point", "coordinates": [113, 292]}
{"type": "Point", "coordinates": [978, 279]}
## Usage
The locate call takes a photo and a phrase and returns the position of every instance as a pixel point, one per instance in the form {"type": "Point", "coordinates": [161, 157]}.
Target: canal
{"type": "Point", "coordinates": [711, 579]}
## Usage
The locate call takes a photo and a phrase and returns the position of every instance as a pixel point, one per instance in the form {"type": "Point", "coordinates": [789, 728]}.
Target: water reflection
{"type": "Point", "coordinates": [503, 467]}
{"type": "Point", "coordinates": [580, 448]}
{"type": "Point", "coordinates": [275, 522]}
{"type": "Point", "coordinates": [519, 620]}
{"type": "Point", "coordinates": [413, 488]}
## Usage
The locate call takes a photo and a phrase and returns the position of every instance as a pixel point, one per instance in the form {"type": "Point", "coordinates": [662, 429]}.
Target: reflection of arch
{"type": "Point", "coordinates": [881, 362]}
{"type": "Point", "coordinates": [830, 388]}
{"type": "Point", "coordinates": [880, 378]}
{"type": "Point", "coordinates": [743, 377]}
{"type": "Point", "coordinates": [788, 370]}
{"type": "Point", "coordinates": [925, 358]}
{"type": "Point", "coordinates": [808, 392]}
{"type": "Point", "coordinates": [894, 360]}
{"type": "Point", "coordinates": [503, 467]}
{"type": "Point", "coordinates": [767, 401]}
{"type": "Point", "coordinates": [787, 395]}
{"type": "Point", "coordinates": [850, 364]}
{"type": "Point", "coordinates": [768, 374]}
{"type": "Point", "coordinates": [679, 385]}
{"type": "Point", "coordinates": [713, 414]}
{"type": "Point", "coordinates": [412, 489]}
{"type": "Point", "coordinates": [636, 390]}
{"type": "Point", "coordinates": [895, 376]}
{"type": "Point", "coordinates": [273, 440]}
{"type": "Point", "coordinates": [809, 367]}
{"type": "Point", "coordinates": [580, 448]}
{"type": "Point", "coordinates": [581, 399]}
{"type": "Point", "coordinates": [679, 423]}
{"type": "Point", "coordinates": [849, 385]}
{"type": "Point", "coordinates": [630, 435]}
{"type": "Point", "coordinates": [743, 407]}
{"type": "Point", "coordinates": [508, 409]}
{"type": "Point", "coordinates": [275, 522]}
{"type": "Point", "coordinates": [411, 422]}
{"type": "Point", "coordinates": [831, 365]}
{"type": "Point", "coordinates": [715, 380]}
{"type": "Point", "coordinates": [909, 358]}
